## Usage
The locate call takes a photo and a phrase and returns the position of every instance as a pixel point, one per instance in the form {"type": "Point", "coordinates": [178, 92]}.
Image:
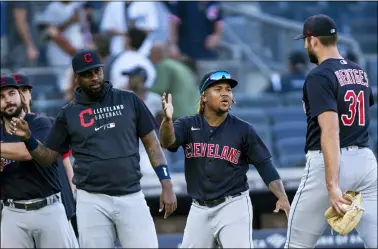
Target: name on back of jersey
{"type": "Point", "coordinates": [352, 76]}
{"type": "Point", "coordinates": [210, 150]}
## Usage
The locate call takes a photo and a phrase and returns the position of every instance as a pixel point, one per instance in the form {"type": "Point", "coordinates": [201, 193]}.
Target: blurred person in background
{"type": "Point", "coordinates": [119, 17]}
{"type": "Point", "coordinates": [294, 78]}
{"type": "Point", "coordinates": [175, 78]}
{"type": "Point", "coordinates": [137, 83]}
{"type": "Point", "coordinates": [3, 15]}
{"type": "Point", "coordinates": [196, 28]}
{"type": "Point", "coordinates": [130, 59]}
{"type": "Point", "coordinates": [65, 16]}
{"type": "Point", "coordinates": [21, 47]}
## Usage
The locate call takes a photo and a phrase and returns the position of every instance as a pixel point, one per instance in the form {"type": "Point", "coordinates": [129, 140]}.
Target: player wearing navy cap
{"type": "Point", "coordinates": [218, 149]}
{"type": "Point", "coordinates": [102, 126]}
{"type": "Point", "coordinates": [336, 100]}
{"type": "Point", "coordinates": [33, 213]}
{"type": "Point", "coordinates": [64, 169]}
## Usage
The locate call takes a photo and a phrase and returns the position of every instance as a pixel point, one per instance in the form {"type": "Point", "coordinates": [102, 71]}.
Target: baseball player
{"type": "Point", "coordinates": [64, 169]}
{"type": "Point", "coordinates": [218, 150]}
{"type": "Point", "coordinates": [102, 125]}
{"type": "Point", "coordinates": [33, 213]}
{"type": "Point", "coordinates": [336, 98]}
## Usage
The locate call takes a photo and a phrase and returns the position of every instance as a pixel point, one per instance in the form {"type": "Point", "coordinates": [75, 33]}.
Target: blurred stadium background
{"type": "Point", "coordinates": [256, 46]}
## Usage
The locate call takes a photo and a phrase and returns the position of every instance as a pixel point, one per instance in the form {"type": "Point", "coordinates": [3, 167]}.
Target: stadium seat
{"type": "Point", "coordinates": [178, 166]}
{"type": "Point", "coordinates": [293, 98]}
{"type": "Point", "coordinates": [373, 130]}
{"type": "Point", "coordinates": [265, 133]}
{"type": "Point", "coordinates": [287, 148]}
{"type": "Point", "coordinates": [289, 130]}
{"type": "Point", "coordinates": [292, 160]}
{"type": "Point", "coordinates": [251, 115]}
{"type": "Point", "coordinates": [258, 101]}
{"type": "Point", "coordinates": [286, 114]}
{"type": "Point", "coordinates": [373, 111]}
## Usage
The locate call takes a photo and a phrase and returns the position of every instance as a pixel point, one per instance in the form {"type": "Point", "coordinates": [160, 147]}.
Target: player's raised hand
{"type": "Point", "coordinates": [283, 204]}
{"type": "Point", "coordinates": [167, 106]}
{"type": "Point", "coordinates": [20, 128]}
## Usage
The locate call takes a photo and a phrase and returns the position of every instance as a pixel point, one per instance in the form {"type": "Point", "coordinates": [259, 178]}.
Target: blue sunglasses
{"type": "Point", "coordinates": [219, 75]}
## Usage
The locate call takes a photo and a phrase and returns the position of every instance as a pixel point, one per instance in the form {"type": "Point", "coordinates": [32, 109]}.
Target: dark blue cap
{"type": "Point", "coordinates": [22, 80]}
{"type": "Point", "coordinates": [86, 59]}
{"type": "Point", "coordinates": [318, 25]}
{"type": "Point", "coordinates": [8, 81]}
{"type": "Point", "coordinates": [215, 77]}
{"type": "Point", "coordinates": [137, 71]}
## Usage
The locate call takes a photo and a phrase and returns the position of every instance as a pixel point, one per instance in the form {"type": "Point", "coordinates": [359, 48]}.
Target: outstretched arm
{"type": "Point", "coordinates": [158, 161]}
{"type": "Point", "coordinates": [41, 154]}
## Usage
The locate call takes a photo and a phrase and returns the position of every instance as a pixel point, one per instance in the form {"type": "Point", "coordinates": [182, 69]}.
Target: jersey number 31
{"type": "Point", "coordinates": [357, 105]}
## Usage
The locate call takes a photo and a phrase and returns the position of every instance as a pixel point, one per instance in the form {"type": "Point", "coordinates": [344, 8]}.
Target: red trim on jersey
{"type": "Point", "coordinates": [69, 153]}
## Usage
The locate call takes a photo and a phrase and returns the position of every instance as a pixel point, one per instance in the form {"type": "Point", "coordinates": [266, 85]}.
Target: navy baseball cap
{"type": "Point", "coordinates": [86, 59]}
{"type": "Point", "coordinates": [8, 81]}
{"type": "Point", "coordinates": [137, 71]}
{"type": "Point", "coordinates": [318, 25]}
{"type": "Point", "coordinates": [22, 80]}
{"type": "Point", "coordinates": [215, 77]}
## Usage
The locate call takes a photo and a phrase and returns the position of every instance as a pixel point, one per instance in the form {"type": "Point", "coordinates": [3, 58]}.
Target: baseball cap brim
{"type": "Point", "coordinates": [10, 85]}
{"type": "Point", "coordinates": [299, 37]}
{"type": "Point", "coordinates": [89, 67]}
{"type": "Point", "coordinates": [233, 83]}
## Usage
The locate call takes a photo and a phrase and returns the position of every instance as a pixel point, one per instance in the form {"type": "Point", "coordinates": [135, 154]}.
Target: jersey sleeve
{"type": "Point", "coordinates": [58, 138]}
{"type": "Point", "coordinates": [255, 148]}
{"type": "Point", "coordinates": [146, 122]}
{"type": "Point", "coordinates": [180, 133]}
{"type": "Point", "coordinates": [321, 95]}
{"type": "Point", "coordinates": [40, 128]}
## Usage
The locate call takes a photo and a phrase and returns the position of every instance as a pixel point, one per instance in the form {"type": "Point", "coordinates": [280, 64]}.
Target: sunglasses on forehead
{"type": "Point", "coordinates": [219, 75]}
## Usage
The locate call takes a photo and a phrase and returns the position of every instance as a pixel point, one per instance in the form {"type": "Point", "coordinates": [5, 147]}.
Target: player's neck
{"type": "Point", "coordinates": [329, 53]}
{"type": "Point", "coordinates": [213, 119]}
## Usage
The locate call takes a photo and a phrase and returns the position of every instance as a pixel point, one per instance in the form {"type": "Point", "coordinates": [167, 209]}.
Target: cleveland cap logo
{"type": "Point", "coordinates": [88, 57]}
{"type": "Point", "coordinates": [17, 78]}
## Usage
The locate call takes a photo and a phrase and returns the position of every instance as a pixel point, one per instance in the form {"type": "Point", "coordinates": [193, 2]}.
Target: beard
{"type": "Point", "coordinates": [93, 94]}
{"type": "Point", "coordinates": [15, 113]}
{"type": "Point", "coordinates": [312, 56]}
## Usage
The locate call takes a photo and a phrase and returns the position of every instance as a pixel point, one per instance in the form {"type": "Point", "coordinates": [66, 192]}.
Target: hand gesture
{"type": "Point", "coordinates": [337, 200]}
{"type": "Point", "coordinates": [283, 204]}
{"type": "Point", "coordinates": [20, 128]}
{"type": "Point", "coordinates": [167, 106]}
{"type": "Point", "coordinates": [168, 201]}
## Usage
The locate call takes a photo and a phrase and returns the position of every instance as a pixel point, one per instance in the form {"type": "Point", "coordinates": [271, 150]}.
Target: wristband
{"type": "Point", "coordinates": [162, 172]}
{"type": "Point", "coordinates": [31, 143]}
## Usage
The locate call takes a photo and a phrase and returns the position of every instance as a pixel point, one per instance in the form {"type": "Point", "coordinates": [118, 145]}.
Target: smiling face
{"type": "Point", "coordinates": [218, 97]}
{"type": "Point", "coordinates": [91, 82]}
{"type": "Point", "coordinates": [11, 104]}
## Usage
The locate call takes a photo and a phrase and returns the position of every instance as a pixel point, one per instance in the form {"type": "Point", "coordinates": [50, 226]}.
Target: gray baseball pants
{"type": "Point", "coordinates": [228, 225]}
{"type": "Point", "coordinates": [47, 227]}
{"type": "Point", "coordinates": [358, 171]}
{"type": "Point", "coordinates": [100, 218]}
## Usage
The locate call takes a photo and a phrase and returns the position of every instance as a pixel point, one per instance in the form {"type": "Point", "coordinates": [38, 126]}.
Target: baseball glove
{"type": "Point", "coordinates": [345, 224]}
